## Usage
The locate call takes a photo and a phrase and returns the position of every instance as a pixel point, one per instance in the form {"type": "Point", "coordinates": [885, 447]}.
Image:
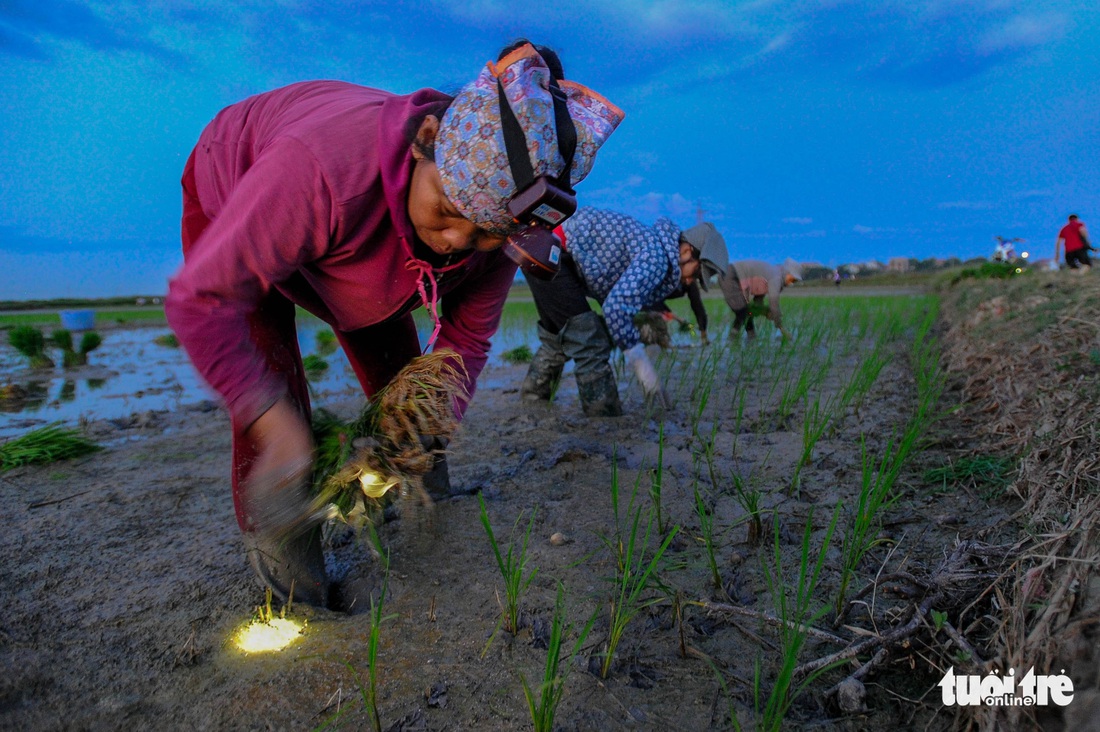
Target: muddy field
{"type": "Point", "coordinates": [125, 582]}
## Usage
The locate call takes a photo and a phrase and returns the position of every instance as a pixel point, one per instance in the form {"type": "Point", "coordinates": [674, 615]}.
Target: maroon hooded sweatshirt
{"type": "Point", "coordinates": [305, 189]}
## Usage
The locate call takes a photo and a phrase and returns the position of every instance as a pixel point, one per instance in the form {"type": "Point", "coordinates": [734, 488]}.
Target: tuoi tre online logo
{"type": "Point", "coordinates": [995, 690]}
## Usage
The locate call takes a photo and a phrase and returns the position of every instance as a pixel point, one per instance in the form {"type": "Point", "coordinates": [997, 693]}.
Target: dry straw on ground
{"type": "Point", "coordinates": [1024, 357]}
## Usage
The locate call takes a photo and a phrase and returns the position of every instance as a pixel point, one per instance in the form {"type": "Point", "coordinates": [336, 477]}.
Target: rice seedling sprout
{"type": "Point", "coordinates": [705, 514]}
{"type": "Point", "coordinates": [795, 614]}
{"type": "Point", "coordinates": [512, 564]}
{"type": "Point", "coordinates": [543, 701]}
{"type": "Point", "coordinates": [635, 573]}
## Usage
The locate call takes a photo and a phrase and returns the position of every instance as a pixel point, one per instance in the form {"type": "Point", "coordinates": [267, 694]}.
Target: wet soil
{"type": "Point", "coordinates": [124, 580]}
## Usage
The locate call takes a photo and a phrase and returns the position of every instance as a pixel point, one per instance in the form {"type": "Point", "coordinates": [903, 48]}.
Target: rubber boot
{"type": "Point", "coordinates": [284, 543]}
{"type": "Point", "coordinates": [545, 371]}
{"type": "Point", "coordinates": [293, 562]}
{"type": "Point", "coordinates": [585, 340]}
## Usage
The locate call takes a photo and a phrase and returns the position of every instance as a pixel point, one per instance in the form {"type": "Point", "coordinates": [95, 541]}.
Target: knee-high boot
{"type": "Point", "coordinates": [585, 340]}
{"type": "Point", "coordinates": [545, 371]}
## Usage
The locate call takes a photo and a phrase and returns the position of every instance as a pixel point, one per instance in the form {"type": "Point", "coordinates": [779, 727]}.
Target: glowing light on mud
{"type": "Point", "coordinates": [274, 635]}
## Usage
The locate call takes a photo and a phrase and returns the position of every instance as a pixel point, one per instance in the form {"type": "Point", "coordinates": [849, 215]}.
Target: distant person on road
{"type": "Point", "coordinates": [748, 282]}
{"type": "Point", "coordinates": [836, 277]}
{"type": "Point", "coordinates": [1005, 251]}
{"type": "Point", "coordinates": [1075, 237]}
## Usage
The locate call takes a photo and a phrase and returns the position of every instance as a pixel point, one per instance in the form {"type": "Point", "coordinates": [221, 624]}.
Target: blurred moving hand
{"type": "Point", "coordinates": [638, 360]}
{"type": "Point", "coordinates": [277, 495]}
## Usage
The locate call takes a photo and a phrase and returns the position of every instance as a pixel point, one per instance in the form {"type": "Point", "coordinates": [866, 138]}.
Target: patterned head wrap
{"type": "Point", "coordinates": [470, 150]}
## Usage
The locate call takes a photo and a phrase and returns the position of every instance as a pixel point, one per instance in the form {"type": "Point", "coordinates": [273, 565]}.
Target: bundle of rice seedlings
{"type": "Point", "coordinates": [63, 339]}
{"type": "Point", "coordinates": [383, 456]}
{"type": "Point", "coordinates": [326, 343]}
{"type": "Point", "coordinates": [44, 445]}
{"type": "Point", "coordinates": [653, 328]}
{"type": "Point", "coordinates": [314, 366]}
{"type": "Point", "coordinates": [519, 354]}
{"type": "Point", "coordinates": [29, 341]}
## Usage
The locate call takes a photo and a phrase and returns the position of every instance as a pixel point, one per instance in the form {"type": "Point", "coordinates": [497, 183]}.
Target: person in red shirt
{"type": "Point", "coordinates": [1075, 237]}
{"type": "Point", "coordinates": [359, 206]}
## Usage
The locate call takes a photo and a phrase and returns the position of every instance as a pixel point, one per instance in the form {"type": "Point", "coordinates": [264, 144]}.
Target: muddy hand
{"type": "Point", "coordinates": [279, 501]}
{"type": "Point", "coordinates": [277, 495]}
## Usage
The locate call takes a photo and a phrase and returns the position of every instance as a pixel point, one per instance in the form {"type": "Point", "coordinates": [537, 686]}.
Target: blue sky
{"type": "Point", "coordinates": [833, 131]}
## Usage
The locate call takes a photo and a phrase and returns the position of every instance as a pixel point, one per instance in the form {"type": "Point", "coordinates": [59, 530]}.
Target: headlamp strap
{"type": "Point", "coordinates": [567, 135]}
{"type": "Point", "coordinates": [515, 141]}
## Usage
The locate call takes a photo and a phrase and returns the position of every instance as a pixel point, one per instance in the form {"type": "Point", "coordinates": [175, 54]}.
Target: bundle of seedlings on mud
{"type": "Point", "coordinates": [314, 366]}
{"type": "Point", "coordinates": [652, 326]}
{"type": "Point", "coordinates": [519, 354]}
{"type": "Point", "coordinates": [383, 456]}
{"type": "Point", "coordinates": [30, 342]}
{"type": "Point", "coordinates": [70, 356]}
{"type": "Point", "coordinates": [326, 342]}
{"type": "Point", "coordinates": [44, 445]}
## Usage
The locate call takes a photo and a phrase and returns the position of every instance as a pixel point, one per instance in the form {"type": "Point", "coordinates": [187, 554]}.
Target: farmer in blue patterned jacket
{"type": "Point", "coordinates": [626, 267]}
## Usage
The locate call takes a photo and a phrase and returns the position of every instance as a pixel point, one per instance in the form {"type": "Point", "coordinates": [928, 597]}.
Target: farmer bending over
{"type": "Point", "coordinates": [626, 267]}
{"type": "Point", "coordinates": [747, 282]}
{"type": "Point", "coordinates": [360, 206]}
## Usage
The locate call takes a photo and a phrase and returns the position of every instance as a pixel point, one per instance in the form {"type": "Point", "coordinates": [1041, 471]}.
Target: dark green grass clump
{"type": "Point", "coordinates": [988, 271]}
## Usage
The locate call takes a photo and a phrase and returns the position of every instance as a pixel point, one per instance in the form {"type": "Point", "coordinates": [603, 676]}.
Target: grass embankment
{"type": "Point", "coordinates": [1023, 358]}
{"type": "Point", "coordinates": [103, 316]}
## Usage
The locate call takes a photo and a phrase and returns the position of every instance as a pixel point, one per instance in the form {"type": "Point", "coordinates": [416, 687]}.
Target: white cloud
{"type": "Point", "coordinates": [1032, 194]}
{"type": "Point", "coordinates": [1022, 32]}
{"type": "Point", "coordinates": [866, 230]}
{"type": "Point", "coordinates": [966, 205]}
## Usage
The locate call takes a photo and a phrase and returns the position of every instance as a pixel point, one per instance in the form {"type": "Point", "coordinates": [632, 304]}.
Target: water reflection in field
{"type": "Point", "coordinates": [131, 373]}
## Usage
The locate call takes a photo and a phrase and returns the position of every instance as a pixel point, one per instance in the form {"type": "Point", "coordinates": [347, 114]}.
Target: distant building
{"type": "Point", "coordinates": [898, 264]}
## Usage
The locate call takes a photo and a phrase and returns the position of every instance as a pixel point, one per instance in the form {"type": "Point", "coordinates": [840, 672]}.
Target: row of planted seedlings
{"type": "Point", "coordinates": [813, 386]}
{"type": "Point", "coordinates": [736, 502]}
